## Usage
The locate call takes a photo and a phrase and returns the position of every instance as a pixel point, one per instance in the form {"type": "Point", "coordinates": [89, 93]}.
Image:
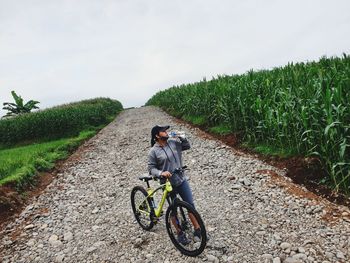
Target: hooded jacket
{"type": "Point", "coordinates": [168, 158]}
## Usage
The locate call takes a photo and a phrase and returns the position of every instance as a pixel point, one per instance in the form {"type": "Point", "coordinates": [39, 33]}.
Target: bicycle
{"type": "Point", "coordinates": [147, 214]}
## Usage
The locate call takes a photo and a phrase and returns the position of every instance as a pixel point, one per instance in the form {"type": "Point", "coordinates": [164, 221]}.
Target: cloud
{"type": "Point", "coordinates": [59, 51]}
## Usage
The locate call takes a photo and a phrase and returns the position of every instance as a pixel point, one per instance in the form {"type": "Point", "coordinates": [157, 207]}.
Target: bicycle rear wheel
{"type": "Point", "coordinates": [142, 207]}
{"type": "Point", "coordinates": [186, 228]}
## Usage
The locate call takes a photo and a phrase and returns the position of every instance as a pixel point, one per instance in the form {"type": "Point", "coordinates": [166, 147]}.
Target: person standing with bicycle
{"type": "Point", "coordinates": [164, 157]}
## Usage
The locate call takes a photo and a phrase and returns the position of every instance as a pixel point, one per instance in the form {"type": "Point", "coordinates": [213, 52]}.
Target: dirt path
{"type": "Point", "coordinates": [249, 211]}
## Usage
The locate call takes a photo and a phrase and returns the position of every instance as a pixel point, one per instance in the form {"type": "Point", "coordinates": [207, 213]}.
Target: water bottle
{"type": "Point", "coordinates": [176, 134]}
{"type": "Point", "coordinates": [172, 134]}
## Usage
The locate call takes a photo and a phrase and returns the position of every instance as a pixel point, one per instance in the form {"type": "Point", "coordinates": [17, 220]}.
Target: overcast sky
{"type": "Point", "coordinates": [62, 51]}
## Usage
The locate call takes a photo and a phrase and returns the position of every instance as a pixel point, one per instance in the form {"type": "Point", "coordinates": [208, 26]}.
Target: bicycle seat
{"type": "Point", "coordinates": [146, 177]}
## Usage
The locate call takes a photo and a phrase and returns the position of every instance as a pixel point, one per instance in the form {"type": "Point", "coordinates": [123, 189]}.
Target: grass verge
{"type": "Point", "coordinates": [196, 120]}
{"type": "Point", "coordinates": [18, 165]}
{"type": "Point", "coordinates": [269, 150]}
{"type": "Point", "coordinates": [221, 130]}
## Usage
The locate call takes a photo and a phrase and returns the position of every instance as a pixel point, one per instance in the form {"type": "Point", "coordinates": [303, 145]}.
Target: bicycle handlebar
{"type": "Point", "coordinates": [183, 168]}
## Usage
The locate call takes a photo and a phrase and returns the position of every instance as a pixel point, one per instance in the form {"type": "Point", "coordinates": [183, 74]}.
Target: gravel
{"type": "Point", "coordinates": [85, 214]}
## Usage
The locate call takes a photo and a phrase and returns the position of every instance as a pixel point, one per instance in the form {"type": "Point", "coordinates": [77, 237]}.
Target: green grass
{"type": "Point", "coordinates": [196, 120]}
{"type": "Point", "coordinates": [221, 129]}
{"type": "Point", "coordinates": [33, 142]}
{"type": "Point", "coordinates": [19, 165]}
{"type": "Point", "coordinates": [269, 150]}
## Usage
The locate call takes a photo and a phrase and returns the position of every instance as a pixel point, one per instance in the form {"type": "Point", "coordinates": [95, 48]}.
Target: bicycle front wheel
{"type": "Point", "coordinates": [186, 228]}
{"type": "Point", "coordinates": [142, 207]}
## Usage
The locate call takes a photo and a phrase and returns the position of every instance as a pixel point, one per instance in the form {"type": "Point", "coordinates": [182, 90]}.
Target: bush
{"type": "Point", "coordinates": [57, 122]}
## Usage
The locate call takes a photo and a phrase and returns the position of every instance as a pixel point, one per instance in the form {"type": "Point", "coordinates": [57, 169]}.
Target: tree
{"type": "Point", "coordinates": [19, 107]}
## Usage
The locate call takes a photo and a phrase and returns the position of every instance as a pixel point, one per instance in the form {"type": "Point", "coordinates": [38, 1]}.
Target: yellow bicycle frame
{"type": "Point", "coordinates": [157, 211]}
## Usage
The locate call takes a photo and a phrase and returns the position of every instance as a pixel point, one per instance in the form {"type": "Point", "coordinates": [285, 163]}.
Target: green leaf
{"type": "Point", "coordinates": [18, 99]}
{"type": "Point", "coordinates": [330, 126]}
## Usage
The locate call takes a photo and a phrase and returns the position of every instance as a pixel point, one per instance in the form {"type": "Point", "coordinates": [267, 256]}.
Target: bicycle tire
{"type": "Point", "coordinates": [147, 223]}
{"type": "Point", "coordinates": [193, 249]}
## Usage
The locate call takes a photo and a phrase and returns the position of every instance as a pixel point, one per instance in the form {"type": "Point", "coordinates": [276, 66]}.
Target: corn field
{"type": "Point", "coordinates": [57, 122]}
{"type": "Point", "coordinates": [304, 107]}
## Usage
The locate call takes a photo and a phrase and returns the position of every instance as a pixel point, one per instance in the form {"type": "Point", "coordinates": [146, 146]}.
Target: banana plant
{"type": "Point", "coordinates": [19, 107]}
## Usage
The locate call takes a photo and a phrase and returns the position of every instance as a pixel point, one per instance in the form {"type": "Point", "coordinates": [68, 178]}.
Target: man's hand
{"type": "Point", "coordinates": [166, 174]}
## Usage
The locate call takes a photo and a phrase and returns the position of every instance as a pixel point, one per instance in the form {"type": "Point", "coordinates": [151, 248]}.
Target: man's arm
{"type": "Point", "coordinates": [152, 164]}
{"type": "Point", "coordinates": [185, 144]}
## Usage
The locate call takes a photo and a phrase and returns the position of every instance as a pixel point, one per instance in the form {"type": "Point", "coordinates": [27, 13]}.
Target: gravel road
{"type": "Point", "coordinates": [85, 214]}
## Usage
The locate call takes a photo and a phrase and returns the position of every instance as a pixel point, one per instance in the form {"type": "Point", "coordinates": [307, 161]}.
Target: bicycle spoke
{"type": "Point", "coordinates": [186, 229]}
{"type": "Point", "coordinates": [141, 207]}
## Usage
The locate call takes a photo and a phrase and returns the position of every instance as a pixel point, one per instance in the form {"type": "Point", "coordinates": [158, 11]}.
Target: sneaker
{"type": "Point", "coordinates": [197, 233]}
{"type": "Point", "coordinates": [181, 237]}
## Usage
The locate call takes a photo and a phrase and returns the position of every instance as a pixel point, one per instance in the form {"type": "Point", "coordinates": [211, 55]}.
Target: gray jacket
{"type": "Point", "coordinates": [168, 158]}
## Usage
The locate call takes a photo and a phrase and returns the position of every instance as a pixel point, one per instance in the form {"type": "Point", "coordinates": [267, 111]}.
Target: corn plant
{"type": "Point", "coordinates": [302, 107]}
{"type": "Point", "coordinates": [57, 122]}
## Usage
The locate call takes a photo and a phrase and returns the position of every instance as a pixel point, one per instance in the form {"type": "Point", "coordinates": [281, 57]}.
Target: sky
{"type": "Point", "coordinates": [68, 50]}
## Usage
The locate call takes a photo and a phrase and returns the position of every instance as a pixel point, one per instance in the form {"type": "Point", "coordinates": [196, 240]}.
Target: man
{"type": "Point", "coordinates": [163, 158]}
